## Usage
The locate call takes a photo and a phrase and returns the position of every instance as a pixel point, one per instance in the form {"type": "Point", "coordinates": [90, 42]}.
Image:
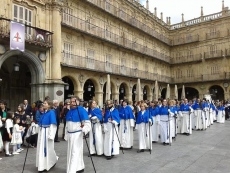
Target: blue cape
{"type": "Point", "coordinates": [73, 114]}
{"type": "Point", "coordinates": [48, 118]}
{"type": "Point", "coordinates": [114, 115]}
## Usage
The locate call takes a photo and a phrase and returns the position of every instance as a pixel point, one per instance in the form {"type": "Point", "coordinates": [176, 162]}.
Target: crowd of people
{"type": "Point", "coordinates": [109, 129]}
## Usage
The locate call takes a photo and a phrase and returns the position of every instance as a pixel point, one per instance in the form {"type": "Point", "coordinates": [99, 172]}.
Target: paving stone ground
{"type": "Point", "coordinates": [202, 152]}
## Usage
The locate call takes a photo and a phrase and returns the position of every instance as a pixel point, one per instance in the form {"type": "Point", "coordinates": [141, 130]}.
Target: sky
{"type": "Point", "coordinates": [190, 8]}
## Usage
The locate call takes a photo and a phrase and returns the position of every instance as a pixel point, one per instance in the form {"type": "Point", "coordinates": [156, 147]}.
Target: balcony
{"type": "Point", "coordinates": [203, 78]}
{"type": "Point", "coordinates": [213, 35]}
{"type": "Point", "coordinates": [214, 54]}
{"type": "Point", "coordinates": [198, 20]}
{"type": "Point", "coordinates": [86, 63]}
{"type": "Point", "coordinates": [101, 33]}
{"type": "Point", "coordinates": [119, 13]}
{"type": "Point", "coordinates": [186, 59]}
{"type": "Point", "coordinates": [185, 40]}
{"type": "Point", "coordinates": [35, 36]}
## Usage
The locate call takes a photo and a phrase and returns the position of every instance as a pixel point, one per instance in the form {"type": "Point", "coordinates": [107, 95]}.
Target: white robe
{"type": "Point", "coordinates": [16, 136]}
{"type": "Point", "coordinates": [186, 126]}
{"type": "Point", "coordinates": [221, 116]}
{"type": "Point", "coordinates": [144, 138]}
{"type": "Point", "coordinates": [198, 119]}
{"type": "Point", "coordinates": [179, 122]}
{"type": "Point", "coordinates": [155, 128]}
{"type": "Point", "coordinates": [126, 134]}
{"type": "Point", "coordinates": [74, 136]}
{"type": "Point", "coordinates": [46, 140]}
{"type": "Point", "coordinates": [111, 143]}
{"type": "Point", "coordinates": [166, 128]}
{"type": "Point", "coordinates": [97, 130]}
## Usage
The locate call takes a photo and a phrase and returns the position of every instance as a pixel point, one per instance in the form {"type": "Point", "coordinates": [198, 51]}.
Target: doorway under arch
{"type": "Point", "coordinates": [216, 92]}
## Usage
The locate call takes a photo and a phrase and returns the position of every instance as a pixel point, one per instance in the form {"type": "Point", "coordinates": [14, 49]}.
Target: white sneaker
{"type": "Point", "coordinates": [21, 149]}
{"type": "Point", "coordinates": [18, 151]}
{"type": "Point", "coordinates": [15, 153]}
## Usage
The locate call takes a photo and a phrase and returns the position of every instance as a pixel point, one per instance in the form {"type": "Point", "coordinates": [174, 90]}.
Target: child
{"type": "Point", "coordinates": [32, 135]}
{"type": "Point", "coordinates": [7, 132]}
{"type": "Point", "coordinates": [17, 137]}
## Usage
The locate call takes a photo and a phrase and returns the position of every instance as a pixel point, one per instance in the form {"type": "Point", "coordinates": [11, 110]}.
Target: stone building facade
{"type": "Point", "coordinates": [84, 41]}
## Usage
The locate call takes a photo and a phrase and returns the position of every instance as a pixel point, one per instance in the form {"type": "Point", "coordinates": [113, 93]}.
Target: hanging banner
{"type": "Point", "coordinates": [17, 36]}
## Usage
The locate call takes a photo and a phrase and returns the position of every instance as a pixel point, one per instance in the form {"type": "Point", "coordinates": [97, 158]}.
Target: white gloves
{"type": "Point", "coordinates": [94, 119]}
{"type": "Point", "coordinates": [180, 113]}
{"type": "Point", "coordinates": [114, 122]}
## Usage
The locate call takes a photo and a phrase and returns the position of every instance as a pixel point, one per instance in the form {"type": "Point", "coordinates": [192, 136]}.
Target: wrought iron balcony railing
{"type": "Point", "coordinates": [213, 35]}
{"type": "Point", "coordinates": [186, 59]}
{"type": "Point", "coordinates": [119, 13]}
{"type": "Point", "coordinates": [87, 63]}
{"type": "Point", "coordinates": [91, 29]}
{"type": "Point", "coordinates": [185, 40]}
{"type": "Point", "coordinates": [214, 54]}
{"type": "Point", "coordinates": [202, 78]}
{"type": "Point", "coordinates": [33, 35]}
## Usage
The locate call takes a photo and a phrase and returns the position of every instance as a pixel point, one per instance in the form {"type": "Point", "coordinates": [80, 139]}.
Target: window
{"type": "Point", "coordinates": [107, 5]}
{"type": "Point", "coordinates": [90, 59]}
{"type": "Point", "coordinates": [213, 49]}
{"type": "Point", "coordinates": [189, 54]}
{"type": "Point", "coordinates": [122, 14]}
{"type": "Point", "coordinates": [123, 66]}
{"type": "Point", "coordinates": [189, 73]}
{"type": "Point", "coordinates": [215, 69]}
{"type": "Point", "coordinates": [23, 15]}
{"type": "Point", "coordinates": [213, 32]}
{"type": "Point", "coordinates": [107, 32]}
{"type": "Point", "coordinates": [68, 50]}
{"type": "Point", "coordinates": [68, 16]}
{"type": "Point", "coordinates": [108, 62]}
{"type": "Point", "coordinates": [178, 74]}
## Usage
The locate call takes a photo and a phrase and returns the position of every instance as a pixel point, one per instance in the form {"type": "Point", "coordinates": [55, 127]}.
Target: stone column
{"type": "Point", "coordinates": [115, 96]}
{"type": "Point", "coordinates": [56, 41]}
{"type": "Point", "coordinates": [79, 93]}
{"type": "Point", "coordinates": [99, 98]}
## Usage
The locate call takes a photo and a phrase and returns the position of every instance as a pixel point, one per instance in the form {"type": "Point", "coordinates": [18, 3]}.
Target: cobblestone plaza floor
{"type": "Point", "coordinates": [202, 152]}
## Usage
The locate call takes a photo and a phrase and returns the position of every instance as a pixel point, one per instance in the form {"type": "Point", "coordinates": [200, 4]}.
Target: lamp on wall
{"type": "Point", "coordinates": [122, 90]}
{"type": "Point", "coordinates": [16, 66]}
{"type": "Point", "coordinates": [66, 86]}
{"type": "Point", "coordinates": [144, 91]}
{"type": "Point", "coordinates": [89, 88]}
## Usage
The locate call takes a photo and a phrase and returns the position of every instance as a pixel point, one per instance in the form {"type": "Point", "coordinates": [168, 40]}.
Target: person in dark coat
{"type": "Point", "coordinates": [57, 113]}
{"type": "Point", "coordinates": [28, 108]}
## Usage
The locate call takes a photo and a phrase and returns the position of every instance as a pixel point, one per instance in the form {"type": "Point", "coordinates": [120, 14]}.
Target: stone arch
{"type": "Point", "coordinates": [98, 88]}
{"type": "Point", "coordinates": [146, 96]}
{"type": "Point", "coordinates": [126, 93]}
{"type": "Point", "coordinates": [31, 60]}
{"type": "Point", "coordinates": [216, 92]}
{"type": "Point", "coordinates": [190, 93]}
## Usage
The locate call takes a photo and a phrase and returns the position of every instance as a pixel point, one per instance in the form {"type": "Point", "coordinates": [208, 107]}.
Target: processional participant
{"type": "Point", "coordinates": [198, 119]}
{"type": "Point", "coordinates": [185, 113]}
{"type": "Point", "coordinates": [165, 118]}
{"type": "Point", "coordinates": [126, 125]}
{"type": "Point", "coordinates": [220, 113]}
{"type": "Point", "coordinates": [46, 157]}
{"type": "Point", "coordinates": [154, 112]}
{"type": "Point", "coordinates": [143, 125]}
{"type": "Point", "coordinates": [173, 118]}
{"type": "Point", "coordinates": [111, 121]}
{"type": "Point", "coordinates": [77, 126]}
{"type": "Point", "coordinates": [95, 134]}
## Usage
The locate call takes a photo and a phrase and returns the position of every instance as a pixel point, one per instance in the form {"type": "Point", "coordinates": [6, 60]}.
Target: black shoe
{"type": "Point", "coordinates": [187, 134]}
{"type": "Point", "coordinates": [121, 148]}
{"type": "Point", "coordinates": [80, 171]}
{"type": "Point", "coordinates": [91, 155]}
{"type": "Point", "coordinates": [139, 151]}
{"type": "Point", "coordinates": [164, 143]}
{"type": "Point", "coordinates": [108, 157]}
{"type": "Point", "coordinates": [9, 155]}
{"type": "Point", "coordinates": [56, 141]}
{"type": "Point", "coordinates": [154, 141]}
